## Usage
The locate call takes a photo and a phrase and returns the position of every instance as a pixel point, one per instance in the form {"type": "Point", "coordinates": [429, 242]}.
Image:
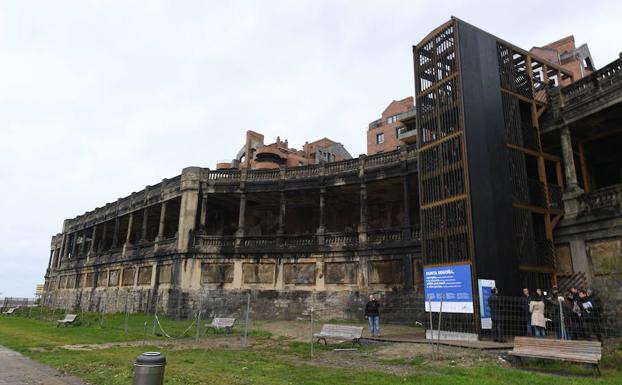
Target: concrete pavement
{"type": "Point", "coordinates": [15, 369]}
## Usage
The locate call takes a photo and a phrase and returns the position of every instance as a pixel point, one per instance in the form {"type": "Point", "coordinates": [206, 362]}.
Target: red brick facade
{"type": "Point", "coordinates": [257, 155]}
{"type": "Point", "coordinates": [382, 134]}
{"type": "Point", "coordinates": [564, 52]}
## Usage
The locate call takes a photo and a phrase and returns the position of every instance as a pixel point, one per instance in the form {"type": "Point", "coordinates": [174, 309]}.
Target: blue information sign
{"type": "Point", "coordinates": [485, 291]}
{"type": "Point", "coordinates": [452, 284]}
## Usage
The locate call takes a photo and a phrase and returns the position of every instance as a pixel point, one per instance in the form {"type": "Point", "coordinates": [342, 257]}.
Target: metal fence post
{"type": "Point", "coordinates": [101, 314]}
{"type": "Point", "coordinates": [248, 306]}
{"type": "Point", "coordinates": [146, 314]}
{"type": "Point", "coordinates": [126, 315]}
{"type": "Point", "coordinates": [155, 314]}
{"type": "Point", "coordinates": [438, 335]}
{"type": "Point", "coordinates": [199, 317]}
{"type": "Point", "coordinates": [562, 324]}
{"type": "Point", "coordinates": [311, 331]}
{"type": "Point", "coordinates": [431, 329]}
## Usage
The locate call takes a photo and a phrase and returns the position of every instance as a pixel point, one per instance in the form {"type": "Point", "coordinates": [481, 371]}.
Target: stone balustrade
{"type": "Point", "coordinates": [609, 197]}
{"type": "Point", "coordinates": [341, 239]}
{"type": "Point", "coordinates": [608, 76]}
{"type": "Point", "coordinates": [385, 235]}
{"type": "Point", "coordinates": [205, 243]}
{"type": "Point", "coordinates": [315, 170]}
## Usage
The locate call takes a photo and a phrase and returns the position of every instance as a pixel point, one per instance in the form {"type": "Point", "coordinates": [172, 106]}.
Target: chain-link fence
{"type": "Point", "coordinates": [172, 314]}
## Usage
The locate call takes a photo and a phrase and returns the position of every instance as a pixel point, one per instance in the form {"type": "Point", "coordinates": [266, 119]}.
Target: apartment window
{"type": "Point", "coordinates": [380, 138]}
{"type": "Point", "coordinates": [399, 130]}
{"type": "Point", "coordinates": [392, 119]}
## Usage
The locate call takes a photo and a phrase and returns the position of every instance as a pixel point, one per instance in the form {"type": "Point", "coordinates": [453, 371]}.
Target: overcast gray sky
{"type": "Point", "coordinates": [100, 98]}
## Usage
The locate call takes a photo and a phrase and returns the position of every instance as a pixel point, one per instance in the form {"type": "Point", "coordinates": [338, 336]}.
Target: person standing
{"type": "Point", "coordinates": [495, 315]}
{"type": "Point", "coordinates": [595, 320]}
{"type": "Point", "coordinates": [525, 299]}
{"type": "Point", "coordinates": [568, 327]}
{"type": "Point", "coordinates": [372, 313]}
{"type": "Point", "coordinates": [576, 320]}
{"type": "Point", "coordinates": [554, 304]}
{"type": "Point", "coordinates": [536, 308]}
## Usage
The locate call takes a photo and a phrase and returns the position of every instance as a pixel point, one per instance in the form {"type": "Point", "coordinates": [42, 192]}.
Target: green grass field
{"type": "Point", "coordinates": [270, 359]}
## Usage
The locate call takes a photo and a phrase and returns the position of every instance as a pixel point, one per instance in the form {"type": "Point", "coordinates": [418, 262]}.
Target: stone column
{"type": "Point", "coordinates": [282, 213]}
{"type": "Point", "coordinates": [363, 214]}
{"type": "Point", "coordinates": [115, 234]}
{"type": "Point", "coordinates": [162, 222]}
{"type": "Point", "coordinates": [143, 230]}
{"type": "Point", "coordinates": [93, 241]}
{"type": "Point", "coordinates": [154, 276]}
{"type": "Point", "coordinates": [239, 234]}
{"type": "Point", "coordinates": [50, 261]}
{"type": "Point", "coordinates": [128, 235]}
{"type": "Point", "coordinates": [190, 180]}
{"type": "Point", "coordinates": [74, 244]}
{"type": "Point", "coordinates": [203, 218]}
{"type": "Point", "coordinates": [572, 191]}
{"type": "Point", "coordinates": [320, 278]}
{"type": "Point", "coordinates": [237, 274]}
{"type": "Point", "coordinates": [569, 167]}
{"type": "Point", "coordinates": [83, 244]}
{"type": "Point", "coordinates": [63, 250]}
{"type": "Point", "coordinates": [103, 241]}
{"type": "Point", "coordinates": [407, 219]}
{"type": "Point", "coordinates": [322, 225]}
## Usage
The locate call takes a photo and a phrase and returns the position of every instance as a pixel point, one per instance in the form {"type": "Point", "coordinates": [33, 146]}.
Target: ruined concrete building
{"type": "Point", "coordinates": [516, 169]}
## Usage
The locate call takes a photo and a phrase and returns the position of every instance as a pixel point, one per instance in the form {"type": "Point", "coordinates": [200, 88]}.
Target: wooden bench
{"type": "Point", "coordinates": [587, 352]}
{"type": "Point", "coordinates": [70, 319]}
{"type": "Point", "coordinates": [219, 323]}
{"type": "Point", "coordinates": [9, 312]}
{"type": "Point", "coordinates": [342, 332]}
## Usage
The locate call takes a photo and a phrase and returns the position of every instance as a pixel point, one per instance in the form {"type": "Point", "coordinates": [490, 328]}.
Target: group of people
{"type": "Point", "coordinates": [576, 314]}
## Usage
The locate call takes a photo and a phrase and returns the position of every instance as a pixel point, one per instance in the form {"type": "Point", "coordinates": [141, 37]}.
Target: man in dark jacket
{"type": "Point", "coordinates": [525, 299]}
{"type": "Point", "coordinates": [372, 313]}
{"type": "Point", "coordinates": [553, 303]}
{"type": "Point", "coordinates": [593, 315]}
{"type": "Point", "coordinates": [495, 315]}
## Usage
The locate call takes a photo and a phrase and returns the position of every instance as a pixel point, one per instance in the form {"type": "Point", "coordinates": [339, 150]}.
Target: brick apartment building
{"type": "Point", "coordinates": [390, 131]}
{"type": "Point", "coordinates": [257, 155]}
{"type": "Point", "coordinates": [397, 125]}
{"type": "Point", "coordinates": [564, 52]}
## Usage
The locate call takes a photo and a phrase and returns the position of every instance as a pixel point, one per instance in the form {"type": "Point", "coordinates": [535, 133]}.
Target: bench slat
{"type": "Point", "coordinates": [340, 331]}
{"type": "Point", "coordinates": [573, 351]}
{"type": "Point", "coordinates": [582, 359]}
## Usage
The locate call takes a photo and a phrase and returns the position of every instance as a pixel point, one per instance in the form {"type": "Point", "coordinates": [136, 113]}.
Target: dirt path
{"type": "Point", "coordinates": [16, 369]}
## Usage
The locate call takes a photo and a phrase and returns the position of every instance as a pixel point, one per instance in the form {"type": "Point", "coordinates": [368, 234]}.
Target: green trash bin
{"type": "Point", "coordinates": [149, 369]}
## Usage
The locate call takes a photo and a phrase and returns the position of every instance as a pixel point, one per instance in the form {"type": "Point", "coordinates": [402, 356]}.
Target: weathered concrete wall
{"type": "Point", "coordinates": [396, 306]}
{"type": "Point", "coordinates": [284, 286]}
{"type": "Point", "coordinates": [608, 289]}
